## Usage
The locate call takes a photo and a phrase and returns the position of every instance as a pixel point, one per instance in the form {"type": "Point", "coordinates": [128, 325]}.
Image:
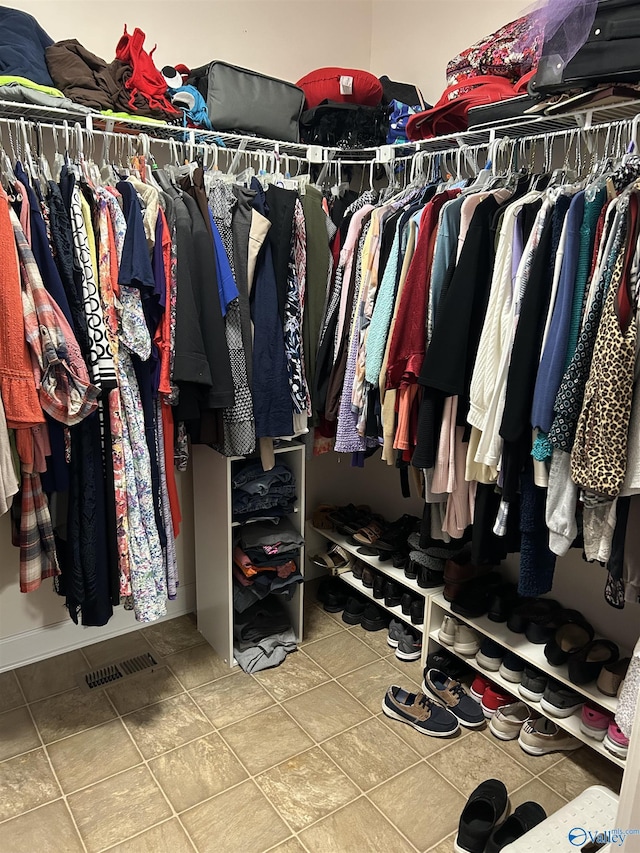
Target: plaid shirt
{"type": "Point", "coordinates": [38, 559]}
{"type": "Point", "coordinates": [64, 387]}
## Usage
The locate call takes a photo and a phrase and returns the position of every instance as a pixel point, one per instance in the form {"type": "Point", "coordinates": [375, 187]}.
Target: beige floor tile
{"type": "Point", "coordinates": [307, 788]}
{"type": "Point", "coordinates": [114, 810]}
{"type": "Point", "coordinates": [144, 689]}
{"type": "Point", "coordinates": [537, 792]}
{"type": "Point", "coordinates": [91, 756]}
{"type": "Point", "coordinates": [167, 724]}
{"type": "Point", "coordinates": [197, 771]}
{"type": "Point", "coordinates": [370, 754]}
{"type": "Point", "coordinates": [326, 711]}
{"type": "Point", "coordinates": [48, 829]}
{"type": "Point", "coordinates": [198, 665]}
{"type": "Point", "coordinates": [292, 845]}
{"type": "Point", "coordinates": [266, 739]}
{"type": "Point", "coordinates": [422, 744]}
{"type": "Point", "coordinates": [376, 640]}
{"type": "Point", "coordinates": [167, 837]}
{"type": "Point", "coordinates": [241, 819]}
{"type": "Point", "coordinates": [116, 649]}
{"type": "Point", "coordinates": [70, 713]}
{"type": "Point", "coordinates": [176, 635]}
{"type": "Point", "coordinates": [54, 675]}
{"type": "Point", "coordinates": [17, 733]}
{"type": "Point", "coordinates": [10, 693]}
{"type": "Point", "coordinates": [370, 683]}
{"type": "Point", "coordinates": [445, 846]}
{"type": "Point", "coordinates": [296, 675]}
{"type": "Point", "coordinates": [424, 827]}
{"type": "Point", "coordinates": [535, 764]}
{"type": "Point", "coordinates": [231, 699]}
{"type": "Point", "coordinates": [358, 826]}
{"type": "Point", "coordinates": [340, 654]}
{"type": "Point", "coordinates": [318, 624]}
{"type": "Point", "coordinates": [412, 670]}
{"type": "Point", "coordinates": [25, 783]}
{"type": "Point", "coordinates": [465, 764]}
{"type": "Point", "coordinates": [580, 770]}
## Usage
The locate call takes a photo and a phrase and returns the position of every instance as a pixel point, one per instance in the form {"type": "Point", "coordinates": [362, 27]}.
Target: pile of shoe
{"type": "Point", "coordinates": [369, 532]}
{"type": "Point", "coordinates": [336, 596]}
{"type": "Point", "coordinates": [425, 565]}
{"type": "Point", "coordinates": [485, 823]}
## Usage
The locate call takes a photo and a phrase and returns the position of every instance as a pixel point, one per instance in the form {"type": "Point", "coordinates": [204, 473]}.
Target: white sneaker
{"type": "Point", "coordinates": [508, 720]}
{"type": "Point", "coordinates": [447, 632]}
{"type": "Point", "coordinates": [538, 737]}
{"type": "Point", "coordinates": [466, 641]}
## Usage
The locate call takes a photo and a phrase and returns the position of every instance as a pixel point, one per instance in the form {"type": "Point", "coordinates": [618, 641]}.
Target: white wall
{"type": "Point", "coordinates": [412, 40]}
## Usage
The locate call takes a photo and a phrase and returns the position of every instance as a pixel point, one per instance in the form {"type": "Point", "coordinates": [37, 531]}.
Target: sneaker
{"type": "Point", "coordinates": [615, 741]}
{"type": "Point", "coordinates": [538, 737]}
{"type": "Point", "coordinates": [467, 641]}
{"type": "Point", "coordinates": [492, 699]}
{"type": "Point", "coordinates": [409, 647]}
{"type": "Point", "coordinates": [353, 610]}
{"type": "Point", "coordinates": [454, 696]}
{"type": "Point", "coordinates": [417, 710]}
{"type": "Point", "coordinates": [442, 659]}
{"type": "Point", "coordinates": [533, 684]}
{"type": "Point", "coordinates": [508, 720]}
{"type": "Point", "coordinates": [374, 618]}
{"type": "Point", "coordinates": [512, 668]}
{"type": "Point", "coordinates": [486, 809]}
{"type": "Point", "coordinates": [560, 701]}
{"type": "Point", "coordinates": [594, 722]}
{"type": "Point", "coordinates": [447, 632]}
{"type": "Point", "coordinates": [397, 630]}
{"type": "Point", "coordinates": [478, 687]}
{"type": "Point", "coordinates": [524, 818]}
{"type": "Point", "coordinates": [490, 655]}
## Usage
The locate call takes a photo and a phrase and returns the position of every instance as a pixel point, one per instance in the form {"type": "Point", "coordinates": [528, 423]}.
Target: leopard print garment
{"type": "Point", "coordinates": [599, 455]}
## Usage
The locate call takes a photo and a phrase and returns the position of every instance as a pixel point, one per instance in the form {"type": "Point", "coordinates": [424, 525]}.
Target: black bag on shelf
{"type": "Point", "coordinates": [345, 125]}
{"type": "Point", "coordinates": [246, 102]}
{"type": "Point", "coordinates": [611, 53]}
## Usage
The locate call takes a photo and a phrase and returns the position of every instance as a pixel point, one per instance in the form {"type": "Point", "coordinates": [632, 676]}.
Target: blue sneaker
{"type": "Point", "coordinates": [419, 711]}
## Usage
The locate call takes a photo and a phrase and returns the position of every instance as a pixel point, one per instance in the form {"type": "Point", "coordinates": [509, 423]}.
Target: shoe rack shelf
{"type": "Point", "coordinates": [213, 518]}
{"type": "Point", "coordinates": [396, 612]}
{"type": "Point", "coordinates": [532, 654]}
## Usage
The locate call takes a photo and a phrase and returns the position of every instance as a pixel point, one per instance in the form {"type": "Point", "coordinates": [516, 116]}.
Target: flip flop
{"type": "Point", "coordinates": [335, 558]}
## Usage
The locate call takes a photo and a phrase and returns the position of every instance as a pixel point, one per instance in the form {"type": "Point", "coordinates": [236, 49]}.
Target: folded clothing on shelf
{"type": "Point", "coordinates": [259, 492]}
{"type": "Point", "coordinates": [269, 536]}
{"type": "Point", "coordinates": [262, 635]}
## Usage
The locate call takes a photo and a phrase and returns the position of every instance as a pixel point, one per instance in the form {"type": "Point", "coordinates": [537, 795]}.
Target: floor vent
{"type": "Point", "coordinates": [112, 673]}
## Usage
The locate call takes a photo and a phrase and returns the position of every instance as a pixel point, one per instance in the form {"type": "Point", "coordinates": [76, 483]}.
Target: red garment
{"type": "Point", "coordinates": [145, 78]}
{"type": "Point", "coordinates": [407, 349]}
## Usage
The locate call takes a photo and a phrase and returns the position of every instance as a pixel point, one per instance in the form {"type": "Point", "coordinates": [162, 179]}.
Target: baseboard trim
{"type": "Point", "coordinates": [41, 643]}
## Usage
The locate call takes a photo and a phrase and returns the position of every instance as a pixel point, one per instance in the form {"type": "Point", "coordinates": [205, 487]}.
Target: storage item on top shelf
{"type": "Point", "coordinates": [342, 85]}
{"type": "Point", "coordinates": [243, 101]}
{"type": "Point", "coordinates": [22, 47]}
{"type": "Point", "coordinates": [609, 54]}
{"type": "Point", "coordinates": [348, 126]}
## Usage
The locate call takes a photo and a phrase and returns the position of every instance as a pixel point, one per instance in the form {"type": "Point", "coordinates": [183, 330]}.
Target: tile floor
{"type": "Point", "coordinates": [193, 757]}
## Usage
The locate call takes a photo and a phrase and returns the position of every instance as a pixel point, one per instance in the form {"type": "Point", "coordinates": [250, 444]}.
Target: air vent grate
{"type": "Point", "coordinates": [106, 675]}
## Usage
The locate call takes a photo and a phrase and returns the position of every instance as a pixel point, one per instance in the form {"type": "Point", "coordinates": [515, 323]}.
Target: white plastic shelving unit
{"type": "Point", "coordinates": [213, 512]}
{"type": "Point", "coordinates": [532, 654]}
{"type": "Point", "coordinates": [386, 568]}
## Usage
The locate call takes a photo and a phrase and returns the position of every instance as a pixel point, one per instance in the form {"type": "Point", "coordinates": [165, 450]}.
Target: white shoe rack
{"type": "Point", "coordinates": [386, 568]}
{"type": "Point", "coordinates": [438, 607]}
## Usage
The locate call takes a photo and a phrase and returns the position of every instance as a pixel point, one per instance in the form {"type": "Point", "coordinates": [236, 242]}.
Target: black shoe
{"type": "Point", "coordinates": [486, 809]}
{"type": "Point", "coordinates": [374, 618]}
{"type": "Point", "coordinates": [428, 579]}
{"type": "Point", "coordinates": [400, 559]}
{"type": "Point", "coordinates": [353, 610]}
{"type": "Point", "coordinates": [473, 599]}
{"type": "Point", "coordinates": [524, 818]}
{"type": "Point", "coordinates": [392, 594]}
{"type": "Point", "coordinates": [542, 631]}
{"type": "Point", "coordinates": [411, 570]}
{"type": "Point", "coordinates": [442, 659]}
{"type": "Point", "coordinates": [585, 665]}
{"type": "Point", "coordinates": [332, 594]}
{"type": "Point", "coordinates": [405, 603]}
{"type": "Point", "coordinates": [417, 611]}
{"type": "Point", "coordinates": [537, 610]}
{"type": "Point", "coordinates": [379, 583]}
{"type": "Point", "coordinates": [358, 569]}
{"type": "Point", "coordinates": [368, 576]}
{"type": "Point", "coordinates": [502, 601]}
{"type": "Point", "coordinates": [568, 639]}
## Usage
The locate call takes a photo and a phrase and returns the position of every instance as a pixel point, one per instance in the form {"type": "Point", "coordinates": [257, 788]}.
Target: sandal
{"type": "Point", "coordinates": [321, 518]}
{"type": "Point", "coordinates": [349, 519]}
{"type": "Point", "coordinates": [370, 533]}
{"type": "Point", "coordinates": [335, 558]}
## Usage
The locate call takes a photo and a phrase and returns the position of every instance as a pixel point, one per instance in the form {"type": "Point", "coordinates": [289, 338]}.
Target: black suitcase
{"type": "Point", "coordinates": [611, 53]}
